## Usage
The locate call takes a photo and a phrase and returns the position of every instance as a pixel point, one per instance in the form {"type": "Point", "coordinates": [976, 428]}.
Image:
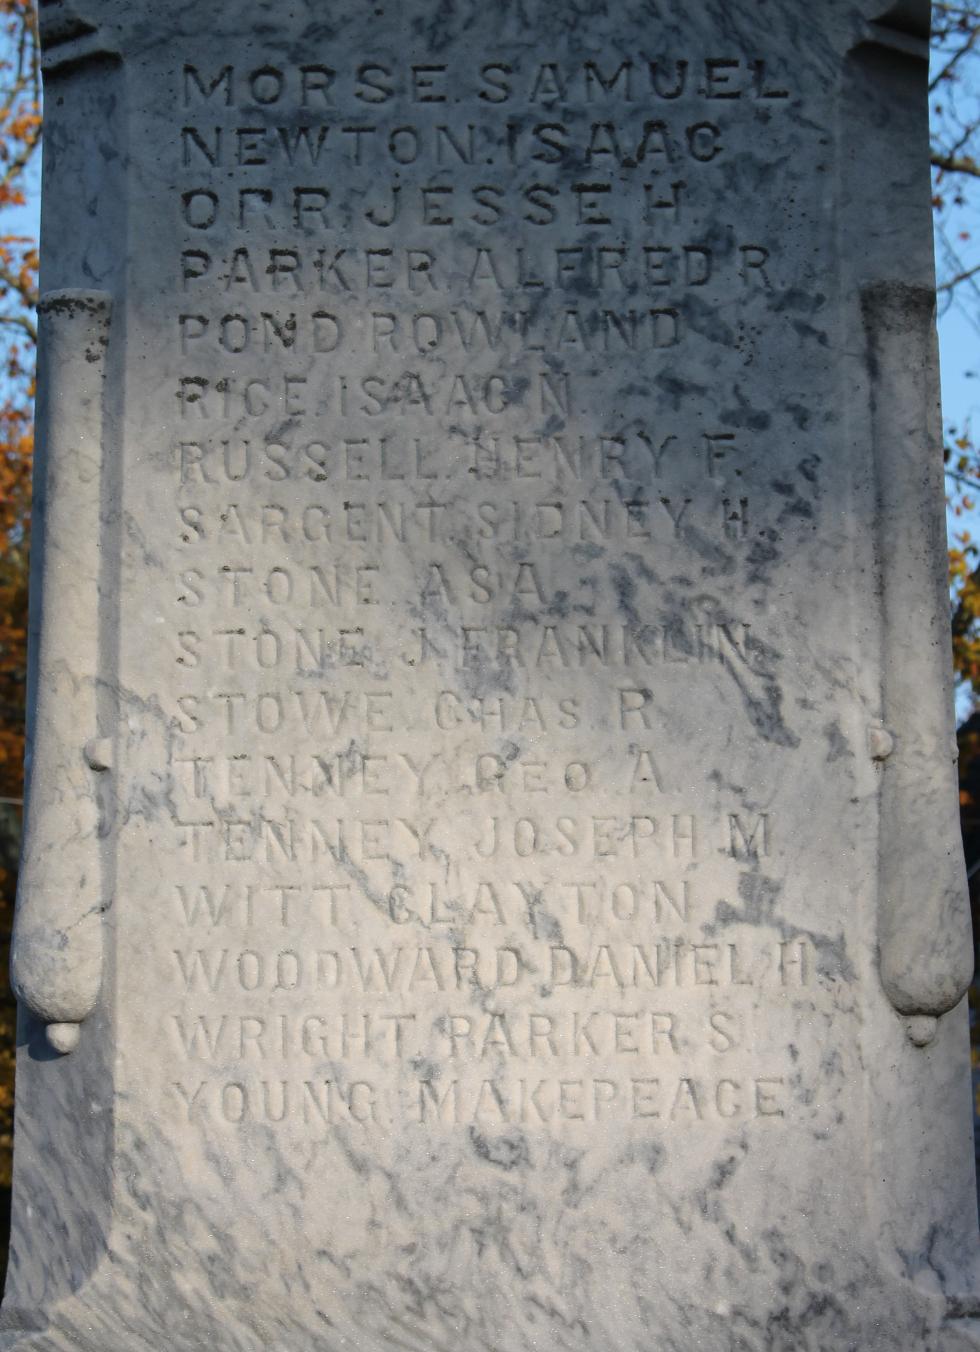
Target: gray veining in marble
{"type": "Point", "coordinates": [492, 879]}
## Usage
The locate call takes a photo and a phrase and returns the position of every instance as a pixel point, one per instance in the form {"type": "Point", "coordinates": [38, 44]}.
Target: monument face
{"type": "Point", "coordinates": [492, 877]}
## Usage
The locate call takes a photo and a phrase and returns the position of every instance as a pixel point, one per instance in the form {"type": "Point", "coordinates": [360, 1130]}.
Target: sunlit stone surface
{"type": "Point", "coordinates": [493, 879]}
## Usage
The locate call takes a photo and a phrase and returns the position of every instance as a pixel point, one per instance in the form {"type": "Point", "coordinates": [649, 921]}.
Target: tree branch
{"type": "Point", "coordinates": [955, 164]}
{"type": "Point", "coordinates": [954, 60]}
{"type": "Point", "coordinates": [960, 277]}
{"type": "Point", "coordinates": [21, 322]}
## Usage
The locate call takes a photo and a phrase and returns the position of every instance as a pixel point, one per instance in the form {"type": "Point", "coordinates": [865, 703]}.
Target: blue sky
{"type": "Point", "coordinates": [959, 324]}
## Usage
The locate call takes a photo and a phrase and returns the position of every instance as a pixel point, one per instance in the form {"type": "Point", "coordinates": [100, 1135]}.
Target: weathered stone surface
{"type": "Point", "coordinates": [492, 878]}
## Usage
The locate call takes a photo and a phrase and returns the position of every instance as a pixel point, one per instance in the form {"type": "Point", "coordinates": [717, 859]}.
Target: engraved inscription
{"type": "Point", "coordinates": [444, 858]}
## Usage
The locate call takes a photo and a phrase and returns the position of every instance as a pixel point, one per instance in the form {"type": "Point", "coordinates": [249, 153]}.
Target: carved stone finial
{"type": "Point", "coordinates": [56, 955]}
{"type": "Point", "coordinates": [63, 1037]}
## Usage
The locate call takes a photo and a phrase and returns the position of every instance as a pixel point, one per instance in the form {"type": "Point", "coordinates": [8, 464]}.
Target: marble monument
{"type": "Point", "coordinates": [492, 877]}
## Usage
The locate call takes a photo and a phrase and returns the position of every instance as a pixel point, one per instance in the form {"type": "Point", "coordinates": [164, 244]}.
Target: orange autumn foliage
{"type": "Point", "coordinates": [954, 86]}
{"type": "Point", "coordinates": [20, 136]}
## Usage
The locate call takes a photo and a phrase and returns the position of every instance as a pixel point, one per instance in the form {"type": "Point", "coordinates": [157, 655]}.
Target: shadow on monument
{"type": "Point", "coordinates": [10, 822]}
{"type": "Point", "coordinates": [968, 740]}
